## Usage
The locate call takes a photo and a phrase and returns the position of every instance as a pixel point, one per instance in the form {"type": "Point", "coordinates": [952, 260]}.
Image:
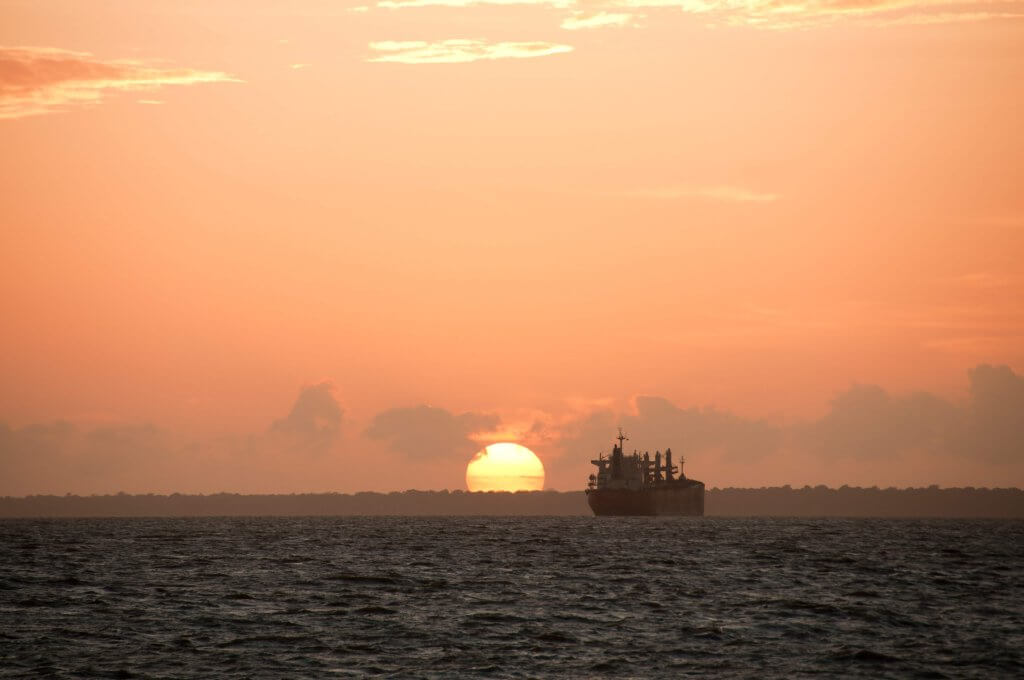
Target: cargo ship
{"type": "Point", "coordinates": [638, 485]}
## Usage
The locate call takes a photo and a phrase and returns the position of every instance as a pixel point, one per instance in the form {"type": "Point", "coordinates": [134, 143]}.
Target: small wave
{"type": "Point", "coordinates": [261, 640]}
{"type": "Point", "coordinates": [493, 617]}
{"type": "Point", "coordinates": [866, 656]}
{"type": "Point", "coordinates": [377, 609]}
{"type": "Point", "coordinates": [362, 578]}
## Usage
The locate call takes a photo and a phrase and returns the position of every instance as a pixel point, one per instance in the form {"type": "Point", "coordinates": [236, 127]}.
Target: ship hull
{"type": "Point", "coordinates": [683, 501]}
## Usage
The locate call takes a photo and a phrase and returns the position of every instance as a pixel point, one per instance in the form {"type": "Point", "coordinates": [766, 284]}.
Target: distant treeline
{"type": "Point", "coordinates": [362, 503]}
{"type": "Point", "coordinates": [847, 501]}
{"type": "Point", "coordinates": [783, 501]}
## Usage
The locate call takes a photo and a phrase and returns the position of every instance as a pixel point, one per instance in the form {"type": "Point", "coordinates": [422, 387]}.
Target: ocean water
{"type": "Point", "coordinates": [511, 597]}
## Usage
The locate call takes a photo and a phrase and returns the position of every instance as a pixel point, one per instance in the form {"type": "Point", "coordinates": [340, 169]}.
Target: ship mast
{"type": "Point", "coordinates": [615, 468]}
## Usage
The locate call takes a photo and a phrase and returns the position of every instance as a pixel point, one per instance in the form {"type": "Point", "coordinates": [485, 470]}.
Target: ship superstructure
{"type": "Point", "coordinates": [640, 485]}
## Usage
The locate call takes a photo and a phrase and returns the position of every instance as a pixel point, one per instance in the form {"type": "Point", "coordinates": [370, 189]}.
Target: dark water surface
{"type": "Point", "coordinates": [511, 597]}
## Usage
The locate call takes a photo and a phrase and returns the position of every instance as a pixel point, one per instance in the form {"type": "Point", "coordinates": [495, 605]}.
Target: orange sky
{"type": "Point", "coordinates": [260, 246]}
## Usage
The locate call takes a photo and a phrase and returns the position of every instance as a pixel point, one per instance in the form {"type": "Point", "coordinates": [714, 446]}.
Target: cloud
{"type": "Point", "coordinates": [36, 443]}
{"type": "Point", "coordinates": [405, 4]}
{"type": "Point", "coordinates": [460, 51]}
{"type": "Point", "coordinates": [314, 423]}
{"type": "Point", "coordinates": [580, 21]}
{"type": "Point", "coordinates": [798, 13]}
{"type": "Point", "coordinates": [38, 80]}
{"type": "Point", "coordinates": [425, 432]}
{"type": "Point", "coordinates": [140, 440]}
{"type": "Point", "coordinates": [658, 424]}
{"type": "Point", "coordinates": [995, 415]}
{"type": "Point", "coordinates": [864, 423]}
{"type": "Point", "coordinates": [769, 14]}
{"type": "Point", "coordinates": [728, 194]}
{"type": "Point", "coordinates": [1002, 222]}
{"type": "Point", "coordinates": [61, 456]}
{"type": "Point", "coordinates": [983, 279]}
{"type": "Point", "coordinates": [706, 428]}
{"type": "Point", "coordinates": [925, 19]}
{"type": "Point", "coordinates": [976, 345]}
{"type": "Point", "coordinates": [867, 422]}
{"type": "Point", "coordinates": [865, 427]}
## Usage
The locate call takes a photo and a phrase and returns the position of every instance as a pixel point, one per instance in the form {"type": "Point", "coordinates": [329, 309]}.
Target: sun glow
{"type": "Point", "coordinates": [505, 467]}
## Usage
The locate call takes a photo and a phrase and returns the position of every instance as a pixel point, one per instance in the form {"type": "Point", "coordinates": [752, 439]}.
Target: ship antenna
{"type": "Point", "coordinates": [622, 438]}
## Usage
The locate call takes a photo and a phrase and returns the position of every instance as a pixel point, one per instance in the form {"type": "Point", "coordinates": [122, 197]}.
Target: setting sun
{"type": "Point", "coordinates": [505, 467]}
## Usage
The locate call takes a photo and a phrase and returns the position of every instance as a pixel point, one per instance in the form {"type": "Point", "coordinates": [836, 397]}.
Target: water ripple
{"type": "Point", "coordinates": [511, 597]}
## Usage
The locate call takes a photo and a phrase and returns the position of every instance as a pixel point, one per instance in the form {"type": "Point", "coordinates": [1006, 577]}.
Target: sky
{"type": "Point", "coordinates": [323, 246]}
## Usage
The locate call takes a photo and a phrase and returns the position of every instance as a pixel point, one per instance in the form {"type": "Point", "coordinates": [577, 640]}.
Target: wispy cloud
{"type": "Point", "coordinates": [402, 4]}
{"type": "Point", "coordinates": [984, 280]}
{"type": "Point", "coordinates": [770, 14]}
{"type": "Point", "coordinates": [976, 345]}
{"type": "Point", "coordinates": [38, 80]}
{"type": "Point", "coordinates": [695, 6]}
{"type": "Point", "coordinates": [1004, 222]}
{"type": "Point", "coordinates": [925, 19]}
{"type": "Point", "coordinates": [797, 13]}
{"type": "Point", "coordinates": [581, 21]}
{"type": "Point", "coordinates": [460, 51]}
{"type": "Point", "coordinates": [726, 193]}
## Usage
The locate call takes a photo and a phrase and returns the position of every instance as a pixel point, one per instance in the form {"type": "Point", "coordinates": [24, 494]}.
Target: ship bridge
{"type": "Point", "coordinates": [634, 472]}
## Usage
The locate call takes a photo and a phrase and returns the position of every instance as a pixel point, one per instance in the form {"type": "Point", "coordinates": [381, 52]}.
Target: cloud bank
{"type": "Point", "coordinates": [39, 80]}
{"type": "Point", "coordinates": [62, 456]}
{"type": "Point", "coordinates": [864, 423]}
{"type": "Point", "coordinates": [866, 431]}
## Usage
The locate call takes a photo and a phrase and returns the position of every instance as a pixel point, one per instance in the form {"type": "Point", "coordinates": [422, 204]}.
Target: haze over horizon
{"type": "Point", "coordinates": [323, 246]}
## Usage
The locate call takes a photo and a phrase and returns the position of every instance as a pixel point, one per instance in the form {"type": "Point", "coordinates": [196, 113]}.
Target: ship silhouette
{"type": "Point", "coordinates": [637, 485]}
